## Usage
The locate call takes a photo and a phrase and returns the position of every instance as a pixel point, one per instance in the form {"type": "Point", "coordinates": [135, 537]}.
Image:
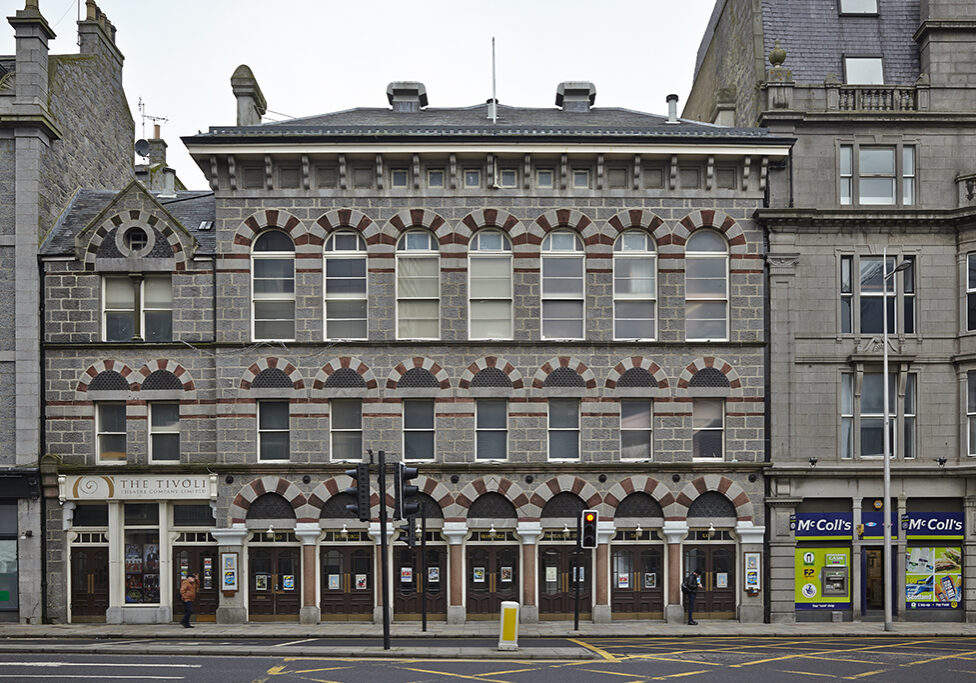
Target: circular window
{"type": "Point", "coordinates": [136, 239]}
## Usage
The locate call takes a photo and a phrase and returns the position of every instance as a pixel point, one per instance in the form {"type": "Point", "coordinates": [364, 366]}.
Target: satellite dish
{"type": "Point", "coordinates": [142, 148]}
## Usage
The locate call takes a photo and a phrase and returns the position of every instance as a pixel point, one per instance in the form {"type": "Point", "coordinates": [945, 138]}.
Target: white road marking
{"type": "Point", "coordinates": [64, 677]}
{"type": "Point", "coordinates": [295, 642]}
{"type": "Point", "coordinates": [101, 664]}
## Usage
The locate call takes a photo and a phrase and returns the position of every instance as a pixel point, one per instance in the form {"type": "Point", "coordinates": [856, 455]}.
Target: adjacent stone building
{"type": "Point", "coordinates": [880, 96]}
{"type": "Point", "coordinates": [544, 310]}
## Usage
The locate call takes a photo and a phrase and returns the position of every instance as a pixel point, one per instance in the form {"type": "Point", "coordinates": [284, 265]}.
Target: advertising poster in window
{"type": "Point", "coordinates": [406, 574]}
{"type": "Point", "coordinates": [933, 577]}
{"type": "Point", "coordinates": [288, 582]}
{"type": "Point", "coordinates": [506, 574]}
{"type": "Point", "coordinates": [650, 579]}
{"type": "Point", "coordinates": [361, 583]}
{"type": "Point", "coordinates": [433, 574]}
{"type": "Point", "coordinates": [207, 573]}
{"type": "Point", "coordinates": [623, 581]}
{"type": "Point", "coordinates": [333, 582]}
{"type": "Point", "coordinates": [478, 575]}
{"type": "Point", "coordinates": [822, 578]}
{"type": "Point", "coordinates": [228, 563]}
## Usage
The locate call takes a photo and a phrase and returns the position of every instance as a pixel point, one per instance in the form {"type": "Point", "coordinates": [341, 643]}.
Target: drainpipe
{"type": "Point", "coordinates": [42, 443]}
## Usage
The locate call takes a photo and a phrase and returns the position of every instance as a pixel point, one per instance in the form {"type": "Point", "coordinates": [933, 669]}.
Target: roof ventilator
{"type": "Point", "coordinates": [575, 95]}
{"type": "Point", "coordinates": [672, 108]}
{"type": "Point", "coordinates": [406, 96]}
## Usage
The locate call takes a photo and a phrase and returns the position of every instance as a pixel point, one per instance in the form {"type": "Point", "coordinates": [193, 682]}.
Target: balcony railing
{"type": "Point", "coordinates": [877, 98]}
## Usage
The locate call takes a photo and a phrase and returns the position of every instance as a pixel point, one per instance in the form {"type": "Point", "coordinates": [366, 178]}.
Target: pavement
{"type": "Point", "coordinates": [446, 641]}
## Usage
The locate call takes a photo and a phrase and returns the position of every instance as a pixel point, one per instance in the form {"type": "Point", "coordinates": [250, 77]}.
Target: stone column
{"type": "Point", "coordinates": [674, 533]}
{"type": "Point", "coordinates": [856, 549]}
{"type": "Point", "coordinates": [782, 557]}
{"type": "Point", "coordinates": [230, 608]}
{"type": "Point", "coordinates": [751, 539]}
{"type": "Point", "coordinates": [455, 532]}
{"type": "Point", "coordinates": [374, 533]}
{"type": "Point", "coordinates": [116, 568]}
{"type": "Point", "coordinates": [308, 533]}
{"type": "Point", "coordinates": [899, 540]}
{"type": "Point", "coordinates": [601, 606]}
{"type": "Point", "coordinates": [529, 532]}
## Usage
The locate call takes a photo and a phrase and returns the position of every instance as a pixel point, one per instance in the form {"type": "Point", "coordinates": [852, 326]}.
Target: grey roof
{"type": "Point", "coordinates": [473, 123]}
{"type": "Point", "coordinates": [190, 208]}
{"type": "Point", "coordinates": [816, 38]}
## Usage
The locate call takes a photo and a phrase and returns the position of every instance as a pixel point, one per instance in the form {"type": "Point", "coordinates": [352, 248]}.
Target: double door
{"type": "Point", "coordinates": [409, 572]}
{"type": "Point", "coordinates": [89, 584]}
{"type": "Point", "coordinates": [202, 561]}
{"type": "Point", "coordinates": [492, 578]}
{"type": "Point", "coordinates": [637, 582]}
{"type": "Point", "coordinates": [716, 562]}
{"type": "Point", "coordinates": [274, 583]}
{"type": "Point", "coordinates": [347, 583]}
{"type": "Point", "coordinates": [557, 590]}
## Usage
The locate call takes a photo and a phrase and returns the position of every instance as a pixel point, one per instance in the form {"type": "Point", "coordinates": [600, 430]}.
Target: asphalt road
{"type": "Point", "coordinates": [734, 659]}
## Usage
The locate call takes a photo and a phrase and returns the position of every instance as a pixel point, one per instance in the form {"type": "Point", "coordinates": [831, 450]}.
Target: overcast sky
{"type": "Point", "coordinates": [312, 57]}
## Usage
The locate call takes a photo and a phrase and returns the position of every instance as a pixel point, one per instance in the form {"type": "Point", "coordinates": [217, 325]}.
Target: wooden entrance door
{"type": "Point", "coordinates": [89, 584]}
{"type": "Point", "coordinates": [556, 589]}
{"type": "Point", "coordinates": [492, 578]}
{"type": "Point", "coordinates": [202, 561]}
{"type": "Point", "coordinates": [275, 583]}
{"type": "Point", "coordinates": [716, 562]}
{"type": "Point", "coordinates": [406, 594]}
{"type": "Point", "coordinates": [347, 583]}
{"type": "Point", "coordinates": [637, 582]}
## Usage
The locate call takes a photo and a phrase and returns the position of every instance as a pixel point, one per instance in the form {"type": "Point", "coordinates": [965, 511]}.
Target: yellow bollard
{"type": "Point", "coordinates": [508, 635]}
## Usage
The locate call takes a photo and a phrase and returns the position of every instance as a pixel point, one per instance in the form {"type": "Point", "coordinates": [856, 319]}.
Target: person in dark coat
{"type": "Point", "coordinates": [690, 588]}
{"type": "Point", "coordinates": [188, 593]}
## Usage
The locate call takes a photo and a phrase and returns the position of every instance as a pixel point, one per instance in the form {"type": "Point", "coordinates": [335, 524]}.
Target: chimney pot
{"type": "Point", "coordinates": [575, 95]}
{"type": "Point", "coordinates": [672, 108]}
{"type": "Point", "coordinates": [406, 96]}
{"type": "Point", "coordinates": [251, 105]}
{"type": "Point", "coordinates": [155, 131]}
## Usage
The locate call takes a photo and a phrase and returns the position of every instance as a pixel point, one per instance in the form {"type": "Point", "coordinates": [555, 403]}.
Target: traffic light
{"type": "Point", "coordinates": [403, 493]}
{"type": "Point", "coordinates": [360, 491]}
{"type": "Point", "coordinates": [588, 537]}
{"type": "Point", "coordinates": [409, 529]}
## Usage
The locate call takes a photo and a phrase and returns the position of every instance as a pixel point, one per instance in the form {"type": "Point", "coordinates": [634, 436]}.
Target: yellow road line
{"type": "Point", "coordinates": [593, 648]}
{"type": "Point", "coordinates": [687, 673]}
{"type": "Point", "coordinates": [840, 659]}
{"type": "Point", "coordinates": [865, 674]}
{"type": "Point", "coordinates": [312, 671]}
{"type": "Point", "coordinates": [807, 673]}
{"type": "Point", "coordinates": [448, 673]}
{"type": "Point", "coordinates": [657, 658]}
{"type": "Point", "coordinates": [610, 673]}
{"type": "Point", "coordinates": [823, 652]}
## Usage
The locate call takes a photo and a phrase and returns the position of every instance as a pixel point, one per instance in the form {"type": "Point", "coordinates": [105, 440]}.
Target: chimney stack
{"type": "Point", "coordinates": [97, 33]}
{"type": "Point", "coordinates": [575, 95]}
{"type": "Point", "coordinates": [672, 108]}
{"type": "Point", "coordinates": [251, 105]}
{"type": "Point", "coordinates": [406, 96]}
{"type": "Point", "coordinates": [32, 34]}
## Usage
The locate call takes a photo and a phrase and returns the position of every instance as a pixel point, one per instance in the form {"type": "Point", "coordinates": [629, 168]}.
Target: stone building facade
{"type": "Point", "coordinates": [556, 310]}
{"type": "Point", "coordinates": [64, 123]}
{"type": "Point", "coordinates": [879, 96]}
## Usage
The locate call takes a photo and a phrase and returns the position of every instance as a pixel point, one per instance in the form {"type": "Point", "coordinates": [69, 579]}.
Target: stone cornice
{"type": "Point", "coordinates": [820, 219]}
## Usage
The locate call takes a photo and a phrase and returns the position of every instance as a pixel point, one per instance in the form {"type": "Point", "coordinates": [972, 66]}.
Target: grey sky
{"type": "Point", "coordinates": [314, 57]}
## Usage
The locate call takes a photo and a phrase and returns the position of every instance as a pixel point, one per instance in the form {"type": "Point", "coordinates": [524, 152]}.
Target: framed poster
{"type": "Point", "coordinates": [406, 574]}
{"type": "Point", "coordinates": [478, 575]}
{"type": "Point", "coordinates": [506, 574]}
{"type": "Point", "coordinates": [288, 582]}
{"type": "Point", "coordinates": [751, 561]}
{"type": "Point", "coordinates": [361, 582]}
{"type": "Point", "coordinates": [721, 580]}
{"type": "Point", "coordinates": [228, 566]}
{"type": "Point", "coordinates": [623, 580]}
{"type": "Point", "coordinates": [261, 582]}
{"type": "Point", "coordinates": [333, 582]}
{"type": "Point", "coordinates": [650, 579]}
{"type": "Point", "coordinates": [433, 574]}
{"type": "Point", "coordinates": [551, 574]}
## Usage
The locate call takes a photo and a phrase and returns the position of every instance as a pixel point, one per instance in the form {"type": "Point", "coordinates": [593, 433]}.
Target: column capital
{"type": "Point", "coordinates": [529, 532]}
{"type": "Point", "coordinates": [308, 532]}
{"type": "Point", "coordinates": [674, 531]}
{"type": "Point", "coordinates": [374, 532]}
{"type": "Point", "coordinates": [230, 536]}
{"type": "Point", "coordinates": [750, 533]}
{"type": "Point", "coordinates": [605, 531]}
{"type": "Point", "coordinates": [455, 532]}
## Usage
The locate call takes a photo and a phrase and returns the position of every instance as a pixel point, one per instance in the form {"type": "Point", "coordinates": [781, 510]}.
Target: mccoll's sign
{"type": "Point", "coordinates": [823, 525]}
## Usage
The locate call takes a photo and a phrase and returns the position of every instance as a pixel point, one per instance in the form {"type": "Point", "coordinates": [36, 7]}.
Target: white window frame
{"type": "Point", "coordinates": [477, 252]}
{"type": "Point", "coordinates": [621, 254]}
{"type": "Point", "coordinates": [140, 309]}
{"type": "Point", "coordinates": [335, 430]}
{"type": "Point", "coordinates": [902, 177]}
{"type": "Point", "coordinates": [551, 253]}
{"type": "Point", "coordinates": [543, 185]}
{"type": "Point", "coordinates": [696, 429]}
{"type": "Point", "coordinates": [431, 173]}
{"type": "Point", "coordinates": [581, 178]}
{"type": "Point", "coordinates": [971, 292]}
{"type": "Point", "coordinates": [479, 430]}
{"type": "Point", "coordinates": [278, 297]}
{"type": "Point", "coordinates": [432, 429]}
{"type": "Point", "coordinates": [512, 182]}
{"type": "Point", "coordinates": [971, 412]}
{"type": "Point", "coordinates": [155, 431]}
{"type": "Point", "coordinates": [901, 292]}
{"type": "Point", "coordinates": [396, 174]}
{"type": "Point", "coordinates": [858, 7]}
{"type": "Point", "coordinates": [577, 429]}
{"type": "Point", "coordinates": [648, 430]}
{"type": "Point", "coordinates": [859, 64]}
{"type": "Point", "coordinates": [465, 178]}
{"type": "Point", "coordinates": [345, 255]}
{"type": "Point", "coordinates": [902, 420]}
{"type": "Point", "coordinates": [406, 252]}
{"type": "Point", "coordinates": [691, 257]}
{"type": "Point", "coordinates": [101, 406]}
{"type": "Point", "coordinates": [261, 431]}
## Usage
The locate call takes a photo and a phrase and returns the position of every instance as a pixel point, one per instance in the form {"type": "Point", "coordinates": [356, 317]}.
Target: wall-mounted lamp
{"type": "Point", "coordinates": [270, 530]}
{"type": "Point", "coordinates": [491, 532]}
{"type": "Point", "coordinates": [813, 461]}
{"type": "Point", "coordinates": [638, 531]}
{"type": "Point", "coordinates": [27, 533]}
{"type": "Point", "coordinates": [344, 532]}
{"type": "Point", "coordinates": [942, 461]}
{"type": "Point", "coordinates": [565, 531]}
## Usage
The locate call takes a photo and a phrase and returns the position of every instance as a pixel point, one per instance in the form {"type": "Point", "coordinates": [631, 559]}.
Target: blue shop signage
{"type": "Point", "coordinates": [873, 520]}
{"type": "Point", "coordinates": [933, 525]}
{"type": "Point", "coordinates": [822, 526]}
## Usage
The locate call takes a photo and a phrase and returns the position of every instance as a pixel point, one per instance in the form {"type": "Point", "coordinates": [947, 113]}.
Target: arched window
{"type": "Point", "coordinates": [418, 286]}
{"type": "Point", "coordinates": [706, 286]}
{"type": "Point", "coordinates": [634, 286]}
{"type": "Point", "coordinates": [345, 286]}
{"type": "Point", "coordinates": [490, 286]}
{"type": "Point", "coordinates": [273, 286]}
{"type": "Point", "coordinates": [563, 298]}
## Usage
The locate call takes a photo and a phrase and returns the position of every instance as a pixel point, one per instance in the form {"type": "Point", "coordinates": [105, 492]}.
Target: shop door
{"type": "Point", "coordinates": [89, 584]}
{"type": "Point", "coordinates": [556, 590]}
{"type": "Point", "coordinates": [202, 561]}
{"type": "Point", "coordinates": [492, 578]}
{"type": "Point", "coordinates": [716, 562]}
{"type": "Point", "coordinates": [407, 596]}
{"type": "Point", "coordinates": [275, 584]}
{"type": "Point", "coordinates": [872, 583]}
{"type": "Point", "coordinates": [347, 583]}
{"type": "Point", "coordinates": [637, 585]}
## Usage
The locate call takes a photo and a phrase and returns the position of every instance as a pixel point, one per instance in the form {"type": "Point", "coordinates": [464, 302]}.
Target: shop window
{"type": "Point", "coordinates": [418, 429]}
{"type": "Point", "coordinates": [872, 175]}
{"type": "Point", "coordinates": [137, 308]}
{"type": "Point", "coordinates": [634, 286]}
{"type": "Point", "coordinates": [490, 286]}
{"type": "Point", "coordinates": [706, 286]}
{"type": "Point", "coordinates": [111, 431]}
{"type": "Point", "coordinates": [273, 287]}
{"type": "Point", "coordinates": [347, 429]}
{"type": "Point", "coordinates": [564, 429]}
{"type": "Point", "coordinates": [636, 436]}
{"type": "Point", "coordinates": [273, 430]}
{"type": "Point", "coordinates": [562, 286]}
{"type": "Point", "coordinates": [491, 429]}
{"type": "Point", "coordinates": [141, 553]}
{"type": "Point", "coordinates": [708, 428]}
{"type": "Point", "coordinates": [9, 583]}
{"type": "Point", "coordinates": [862, 417]}
{"type": "Point", "coordinates": [164, 432]}
{"type": "Point", "coordinates": [418, 286]}
{"type": "Point", "coordinates": [862, 296]}
{"type": "Point", "coordinates": [345, 286]}
{"type": "Point", "coordinates": [90, 515]}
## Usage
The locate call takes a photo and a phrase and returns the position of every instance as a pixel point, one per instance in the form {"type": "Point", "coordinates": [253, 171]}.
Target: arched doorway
{"type": "Point", "coordinates": [346, 557]}
{"type": "Point", "coordinates": [492, 556]}
{"type": "Point", "coordinates": [274, 561]}
{"type": "Point", "coordinates": [710, 548]}
{"type": "Point", "coordinates": [561, 564]}
{"type": "Point", "coordinates": [637, 559]}
{"type": "Point", "coordinates": [419, 578]}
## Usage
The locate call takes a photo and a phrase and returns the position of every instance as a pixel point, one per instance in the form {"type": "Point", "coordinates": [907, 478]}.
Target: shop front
{"type": "Point", "coordinates": [20, 549]}
{"type": "Point", "coordinates": [933, 565]}
{"type": "Point", "coordinates": [822, 564]}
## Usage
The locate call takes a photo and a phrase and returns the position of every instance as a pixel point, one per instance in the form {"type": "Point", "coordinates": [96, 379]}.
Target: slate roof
{"type": "Point", "coordinates": [190, 208]}
{"type": "Point", "coordinates": [816, 38]}
{"type": "Point", "coordinates": [472, 123]}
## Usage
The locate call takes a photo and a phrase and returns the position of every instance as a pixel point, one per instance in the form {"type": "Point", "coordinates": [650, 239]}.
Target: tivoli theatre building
{"type": "Point", "coordinates": [544, 310]}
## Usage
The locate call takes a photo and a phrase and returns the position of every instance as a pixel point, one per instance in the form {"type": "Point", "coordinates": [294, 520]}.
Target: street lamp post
{"type": "Point", "coordinates": [885, 511]}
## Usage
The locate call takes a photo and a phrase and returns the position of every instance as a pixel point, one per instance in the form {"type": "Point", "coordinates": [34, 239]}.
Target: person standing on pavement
{"type": "Point", "coordinates": [690, 588]}
{"type": "Point", "coordinates": [188, 593]}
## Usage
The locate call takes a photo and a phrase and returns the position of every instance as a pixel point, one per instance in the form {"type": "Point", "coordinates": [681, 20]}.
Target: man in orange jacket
{"type": "Point", "coordinates": [188, 593]}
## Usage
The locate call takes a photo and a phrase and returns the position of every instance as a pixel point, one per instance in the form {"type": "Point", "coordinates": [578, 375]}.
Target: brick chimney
{"type": "Point", "coordinates": [251, 105]}
{"type": "Point", "coordinates": [32, 34]}
{"type": "Point", "coordinates": [406, 96]}
{"type": "Point", "coordinates": [575, 95]}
